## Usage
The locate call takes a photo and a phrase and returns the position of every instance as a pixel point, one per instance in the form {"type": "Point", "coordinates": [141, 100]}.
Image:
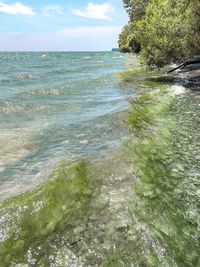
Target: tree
{"type": "Point", "coordinates": [135, 8]}
{"type": "Point", "coordinates": [127, 40]}
{"type": "Point", "coordinates": [169, 32]}
{"type": "Point", "coordinates": [194, 18]}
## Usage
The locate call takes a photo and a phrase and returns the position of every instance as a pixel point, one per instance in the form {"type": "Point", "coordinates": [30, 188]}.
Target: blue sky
{"type": "Point", "coordinates": [42, 25]}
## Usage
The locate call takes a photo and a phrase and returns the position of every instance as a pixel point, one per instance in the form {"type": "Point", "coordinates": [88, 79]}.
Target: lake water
{"type": "Point", "coordinates": [55, 106]}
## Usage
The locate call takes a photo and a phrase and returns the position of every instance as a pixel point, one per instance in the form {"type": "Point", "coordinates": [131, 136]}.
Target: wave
{"type": "Point", "coordinates": [44, 56]}
{"type": "Point", "coordinates": [25, 76]}
{"type": "Point", "coordinates": [10, 107]}
{"type": "Point", "coordinates": [35, 93]}
{"type": "Point", "coordinates": [15, 108]}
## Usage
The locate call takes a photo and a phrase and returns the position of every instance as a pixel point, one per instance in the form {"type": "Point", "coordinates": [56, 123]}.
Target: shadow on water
{"type": "Point", "coordinates": [140, 208]}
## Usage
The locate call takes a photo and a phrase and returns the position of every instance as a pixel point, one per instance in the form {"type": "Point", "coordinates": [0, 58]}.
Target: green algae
{"type": "Point", "coordinates": [147, 109]}
{"type": "Point", "coordinates": [49, 211]}
{"type": "Point", "coordinates": [127, 76]}
{"type": "Point", "coordinates": [159, 162]}
{"type": "Point", "coordinates": [149, 77]}
{"type": "Point", "coordinates": [148, 151]}
{"type": "Point", "coordinates": [163, 151]}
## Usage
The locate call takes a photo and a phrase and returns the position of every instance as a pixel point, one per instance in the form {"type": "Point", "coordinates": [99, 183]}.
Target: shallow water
{"type": "Point", "coordinates": [56, 106]}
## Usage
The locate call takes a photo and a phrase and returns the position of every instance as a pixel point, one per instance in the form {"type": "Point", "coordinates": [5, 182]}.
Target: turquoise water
{"type": "Point", "coordinates": [55, 106]}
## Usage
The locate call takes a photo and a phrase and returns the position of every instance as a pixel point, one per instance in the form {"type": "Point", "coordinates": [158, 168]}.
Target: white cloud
{"type": "Point", "coordinates": [16, 9]}
{"type": "Point", "coordinates": [96, 11]}
{"type": "Point", "coordinates": [53, 10]}
{"type": "Point", "coordinates": [90, 31]}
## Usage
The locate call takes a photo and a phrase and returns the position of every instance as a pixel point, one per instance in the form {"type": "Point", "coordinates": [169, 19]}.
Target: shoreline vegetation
{"type": "Point", "coordinates": [137, 209]}
{"type": "Point", "coordinates": [162, 31]}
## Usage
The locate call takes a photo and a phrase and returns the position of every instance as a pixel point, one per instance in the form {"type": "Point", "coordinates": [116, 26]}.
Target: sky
{"type": "Point", "coordinates": [63, 25]}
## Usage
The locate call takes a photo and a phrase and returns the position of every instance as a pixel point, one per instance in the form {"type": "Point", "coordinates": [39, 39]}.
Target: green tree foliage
{"type": "Point", "coordinates": [194, 17]}
{"type": "Point", "coordinates": [135, 8]}
{"type": "Point", "coordinates": [170, 31]}
{"type": "Point", "coordinates": [167, 31]}
{"type": "Point", "coordinates": [128, 41]}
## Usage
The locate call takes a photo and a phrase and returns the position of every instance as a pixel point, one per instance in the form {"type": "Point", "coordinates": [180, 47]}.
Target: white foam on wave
{"type": "Point", "coordinates": [10, 107]}
{"type": "Point", "coordinates": [177, 89]}
{"type": "Point", "coordinates": [25, 75]}
{"type": "Point", "coordinates": [84, 142]}
{"type": "Point", "coordinates": [46, 91]}
{"type": "Point", "coordinates": [44, 56]}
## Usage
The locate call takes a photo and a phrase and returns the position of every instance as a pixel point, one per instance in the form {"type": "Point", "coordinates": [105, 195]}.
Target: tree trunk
{"type": "Point", "coordinates": [186, 63]}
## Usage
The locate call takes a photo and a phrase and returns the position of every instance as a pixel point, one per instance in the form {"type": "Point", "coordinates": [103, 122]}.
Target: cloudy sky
{"type": "Point", "coordinates": [63, 25]}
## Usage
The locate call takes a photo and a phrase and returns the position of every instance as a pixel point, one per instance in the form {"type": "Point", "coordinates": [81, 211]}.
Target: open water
{"type": "Point", "coordinates": [55, 106]}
